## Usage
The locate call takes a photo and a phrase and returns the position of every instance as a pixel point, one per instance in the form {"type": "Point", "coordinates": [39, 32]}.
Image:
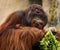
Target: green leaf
{"type": "Point", "coordinates": [49, 42]}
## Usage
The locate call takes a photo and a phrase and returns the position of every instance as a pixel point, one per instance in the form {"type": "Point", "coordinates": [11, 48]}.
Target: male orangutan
{"type": "Point", "coordinates": [23, 29]}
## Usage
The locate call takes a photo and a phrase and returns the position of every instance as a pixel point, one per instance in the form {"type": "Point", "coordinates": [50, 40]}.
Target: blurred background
{"type": "Point", "coordinates": [51, 7]}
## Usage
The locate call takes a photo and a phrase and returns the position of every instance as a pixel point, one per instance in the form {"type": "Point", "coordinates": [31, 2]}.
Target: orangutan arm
{"type": "Point", "coordinates": [11, 21]}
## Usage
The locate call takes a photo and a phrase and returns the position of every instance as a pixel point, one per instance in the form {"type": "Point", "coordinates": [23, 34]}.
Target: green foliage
{"type": "Point", "coordinates": [49, 42]}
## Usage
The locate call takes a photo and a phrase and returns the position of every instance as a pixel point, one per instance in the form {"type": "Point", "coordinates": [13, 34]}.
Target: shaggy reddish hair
{"type": "Point", "coordinates": [19, 39]}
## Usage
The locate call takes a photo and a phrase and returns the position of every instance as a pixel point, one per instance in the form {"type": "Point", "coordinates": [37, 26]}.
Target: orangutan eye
{"type": "Point", "coordinates": [33, 10]}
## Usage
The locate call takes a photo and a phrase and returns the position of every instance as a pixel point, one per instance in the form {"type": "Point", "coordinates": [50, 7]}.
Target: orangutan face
{"type": "Point", "coordinates": [37, 22]}
{"type": "Point", "coordinates": [37, 17]}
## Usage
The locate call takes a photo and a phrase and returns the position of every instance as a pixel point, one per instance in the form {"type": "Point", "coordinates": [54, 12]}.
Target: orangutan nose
{"type": "Point", "coordinates": [37, 23]}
